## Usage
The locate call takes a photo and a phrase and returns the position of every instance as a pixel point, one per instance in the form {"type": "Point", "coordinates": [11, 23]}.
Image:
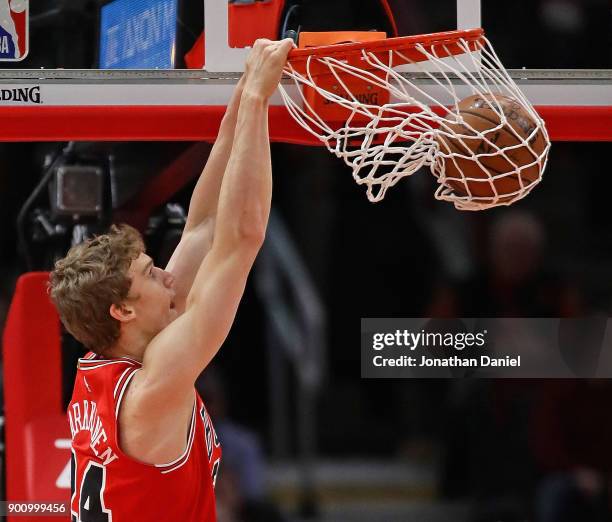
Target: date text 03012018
{"type": "Point", "coordinates": [29, 508]}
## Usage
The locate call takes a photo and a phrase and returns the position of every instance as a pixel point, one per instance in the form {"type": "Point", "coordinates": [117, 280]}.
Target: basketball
{"type": "Point", "coordinates": [502, 163]}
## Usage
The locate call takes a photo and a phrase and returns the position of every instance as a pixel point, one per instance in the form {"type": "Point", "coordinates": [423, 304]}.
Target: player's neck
{"type": "Point", "coordinates": [118, 354]}
{"type": "Point", "coordinates": [131, 343]}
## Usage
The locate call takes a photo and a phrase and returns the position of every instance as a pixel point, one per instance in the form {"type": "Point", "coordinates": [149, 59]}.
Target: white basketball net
{"type": "Point", "coordinates": [397, 139]}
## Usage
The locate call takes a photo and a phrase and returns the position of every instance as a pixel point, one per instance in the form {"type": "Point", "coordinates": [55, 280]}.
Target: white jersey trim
{"type": "Point", "coordinates": [92, 364]}
{"type": "Point", "coordinates": [92, 358]}
{"type": "Point", "coordinates": [123, 388]}
{"type": "Point", "coordinates": [185, 456]}
{"type": "Point", "coordinates": [120, 380]}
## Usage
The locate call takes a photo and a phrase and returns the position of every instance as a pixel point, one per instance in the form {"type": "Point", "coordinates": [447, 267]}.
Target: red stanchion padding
{"type": "Point", "coordinates": [37, 433]}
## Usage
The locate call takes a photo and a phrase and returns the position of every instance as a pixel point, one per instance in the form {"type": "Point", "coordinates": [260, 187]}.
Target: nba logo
{"type": "Point", "coordinates": [14, 30]}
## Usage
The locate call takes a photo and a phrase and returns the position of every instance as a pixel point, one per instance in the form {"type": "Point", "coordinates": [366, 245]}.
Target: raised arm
{"type": "Point", "coordinates": [178, 354]}
{"type": "Point", "coordinates": [205, 197]}
{"type": "Point", "coordinates": [198, 235]}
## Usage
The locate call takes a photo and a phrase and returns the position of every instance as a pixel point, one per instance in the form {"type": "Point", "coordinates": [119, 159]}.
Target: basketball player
{"type": "Point", "coordinates": [6, 21]}
{"type": "Point", "coordinates": [143, 445]}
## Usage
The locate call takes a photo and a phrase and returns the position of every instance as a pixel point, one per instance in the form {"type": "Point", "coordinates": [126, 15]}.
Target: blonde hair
{"type": "Point", "coordinates": [92, 277]}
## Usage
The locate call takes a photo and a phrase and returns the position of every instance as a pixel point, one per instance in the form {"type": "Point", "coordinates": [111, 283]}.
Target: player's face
{"type": "Point", "coordinates": [152, 295]}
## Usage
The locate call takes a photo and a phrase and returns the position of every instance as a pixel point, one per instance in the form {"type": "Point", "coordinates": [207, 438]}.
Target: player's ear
{"type": "Point", "coordinates": [122, 312]}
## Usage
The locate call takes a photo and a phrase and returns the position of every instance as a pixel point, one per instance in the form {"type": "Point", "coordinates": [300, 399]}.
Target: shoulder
{"type": "Point", "coordinates": [104, 374]}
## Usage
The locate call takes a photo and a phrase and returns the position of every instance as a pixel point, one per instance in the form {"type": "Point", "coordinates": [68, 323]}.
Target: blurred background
{"type": "Point", "coordinates": [304, 437]}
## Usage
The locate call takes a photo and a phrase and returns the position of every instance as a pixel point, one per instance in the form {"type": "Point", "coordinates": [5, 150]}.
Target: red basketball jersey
{"type": "Point", "coordinates": [109, 486]}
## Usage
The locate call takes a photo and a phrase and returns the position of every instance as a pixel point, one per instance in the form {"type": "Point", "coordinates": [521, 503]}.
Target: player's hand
{"type": "Point", "coordinates": [264, 66]}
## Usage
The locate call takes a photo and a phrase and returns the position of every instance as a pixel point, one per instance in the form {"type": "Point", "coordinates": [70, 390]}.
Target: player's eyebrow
{"type": "Point", "coordinates": [147, 266]}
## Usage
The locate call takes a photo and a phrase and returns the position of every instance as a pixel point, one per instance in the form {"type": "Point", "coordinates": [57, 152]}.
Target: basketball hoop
{"type": "Point", "coordinates": [469, 124]}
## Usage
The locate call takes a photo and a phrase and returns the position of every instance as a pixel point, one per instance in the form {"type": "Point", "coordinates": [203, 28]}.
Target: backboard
{"type": "Point", "coordinates": [556, 50]}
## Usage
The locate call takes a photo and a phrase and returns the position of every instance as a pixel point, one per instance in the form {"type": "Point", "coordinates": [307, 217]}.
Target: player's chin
{"type": "Point", "coordinates": [166, 319]}
{"type": "Point", "coordinates": [172, 314]}
{"type": "Point", "coordinates": [172, 311]}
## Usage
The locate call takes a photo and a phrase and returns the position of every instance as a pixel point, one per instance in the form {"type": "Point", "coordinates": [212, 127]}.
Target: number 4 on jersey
{"type": "Point", "coordinates": [91, 494]}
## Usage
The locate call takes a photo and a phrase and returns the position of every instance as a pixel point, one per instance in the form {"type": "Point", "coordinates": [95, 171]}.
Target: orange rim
{"type": "Point", "coordinates": [403, 43]}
